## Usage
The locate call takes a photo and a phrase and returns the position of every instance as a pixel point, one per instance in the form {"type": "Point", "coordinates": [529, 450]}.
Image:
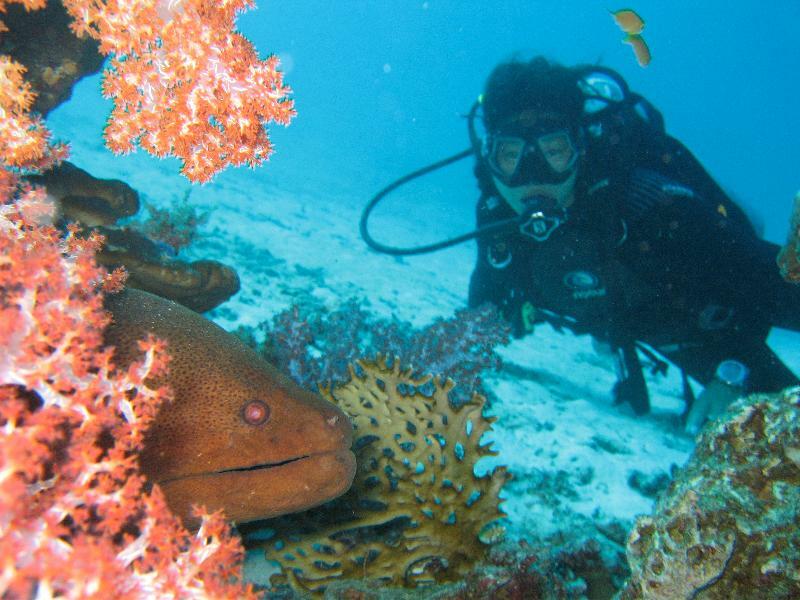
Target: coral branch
{"type": "Point", "coordinates": [24, 140]}
{"type": "Point", "coordinates": [184, 83]}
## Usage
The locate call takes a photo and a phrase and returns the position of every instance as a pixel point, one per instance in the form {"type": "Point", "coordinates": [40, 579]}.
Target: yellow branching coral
{"type": "Point", "coordinates": [416, 512]}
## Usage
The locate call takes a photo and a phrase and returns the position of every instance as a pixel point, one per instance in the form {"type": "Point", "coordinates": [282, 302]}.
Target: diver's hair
{"type": "Point", "coordinates": [539, 84]}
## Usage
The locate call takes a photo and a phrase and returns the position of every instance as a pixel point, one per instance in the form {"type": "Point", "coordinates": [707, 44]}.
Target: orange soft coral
{"type": "Point", "coordinates": [184, 83]}
{"type": "Point", "coordinates": [75, 519]}
{"type": "Point", "coordinates": [23, 138]}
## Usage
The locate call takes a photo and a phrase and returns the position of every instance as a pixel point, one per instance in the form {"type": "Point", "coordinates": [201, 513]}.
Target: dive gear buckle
{"type": "Point", "coordinates": [540, 222]}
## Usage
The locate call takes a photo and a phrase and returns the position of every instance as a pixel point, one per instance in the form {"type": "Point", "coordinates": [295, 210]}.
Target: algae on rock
{"type": "Point", "coordinates": [789, 256]}
{"type": "Point", "coordinates": [729, 525]}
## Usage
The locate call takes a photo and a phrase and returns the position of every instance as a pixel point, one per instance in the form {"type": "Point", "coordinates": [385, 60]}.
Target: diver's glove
{"type": "Point", "coordinates": [630, 386]}
{"type": "Point", "coordinates": [520, 313]}
{"type": "Point", "coordinates": [727, 386]}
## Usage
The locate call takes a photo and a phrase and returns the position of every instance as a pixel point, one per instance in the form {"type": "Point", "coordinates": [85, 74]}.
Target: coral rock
{"type": "Point", "coordinates": [55, 59]}
{"type": "Point", "coordinates": [86, 199]}
{"type": "Point", "coordinates": [97, 204]}
{"type": "Point", "coordinates": [730, 522]}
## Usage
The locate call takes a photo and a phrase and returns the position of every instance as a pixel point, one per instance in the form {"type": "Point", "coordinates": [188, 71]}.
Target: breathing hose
{"type": "Point", "coordinates": [395, 251]}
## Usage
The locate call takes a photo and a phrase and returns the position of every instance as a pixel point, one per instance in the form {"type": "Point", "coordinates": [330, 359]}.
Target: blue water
{"type": "Point", "coordinates": [381, 88]}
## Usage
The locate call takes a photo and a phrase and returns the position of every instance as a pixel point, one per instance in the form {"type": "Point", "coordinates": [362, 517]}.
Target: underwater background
{"type": "Point", "coordinates": [382, 88]}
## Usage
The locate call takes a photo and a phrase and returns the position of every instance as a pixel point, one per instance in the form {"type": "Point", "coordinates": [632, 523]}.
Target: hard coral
{"type": "Point", "coordinates": [730, 522]}
{"type": "Point", "coordinates": [82, 198]}
{"type": "Point", "coordinates": [97, 204]}
{"type": "Point", "coordinates": [199, 285]}
{"type": "Point", "coordinates": [417, 512]}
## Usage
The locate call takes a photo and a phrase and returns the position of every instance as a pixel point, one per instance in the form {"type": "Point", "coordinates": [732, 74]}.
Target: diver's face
{"type": "Point", "coordinates": [562, 195]}
{"type": "Point", "coordinates": [533, 154]}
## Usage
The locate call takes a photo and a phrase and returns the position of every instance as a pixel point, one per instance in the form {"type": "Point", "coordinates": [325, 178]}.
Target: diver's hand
{"type": "Point", "coordinates": [522, 316]}
{"type": "Point", "coordinates": [710, 404]}
{"type": "Point", "coordinates": [528, 317]}
{"type": "Point", "coordinates": [728, 384]}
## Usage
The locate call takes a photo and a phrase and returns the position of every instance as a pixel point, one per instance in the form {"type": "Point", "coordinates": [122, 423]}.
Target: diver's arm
{"type": "Point", "coordinates": [490, 278]}
{"type": "Point", "coordinates": [496, 278]}
{"type": "Point", "coordinates": [484, 286]}
{"type": "Point", "coordinates": [498, 286]}
{"type": "Point", "coordinates": [501, 287]}
{"type": "Point", "coordinates": [689, 247]}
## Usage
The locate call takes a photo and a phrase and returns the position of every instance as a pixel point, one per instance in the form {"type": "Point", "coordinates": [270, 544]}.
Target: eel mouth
{"type": "Point", "coordinates": [256, 467]}
{"type": "Point", "coordinates": [261, 466]}
{"type": "Point", "coordinates": [266, 490]}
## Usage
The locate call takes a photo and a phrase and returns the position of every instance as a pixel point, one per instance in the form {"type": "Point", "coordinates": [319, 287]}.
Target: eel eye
{"type": "Point", "coordinates": [255, 412]}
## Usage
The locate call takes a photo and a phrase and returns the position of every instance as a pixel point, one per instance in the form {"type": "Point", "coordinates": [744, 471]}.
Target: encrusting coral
{"type": "Point", "coordinates": [729, 525]}
{"type": "Point", "coordinates": [417, 512]}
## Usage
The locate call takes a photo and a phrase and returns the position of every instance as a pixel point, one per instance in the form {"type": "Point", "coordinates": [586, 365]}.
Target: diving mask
{"type": "Point", "coordinates": [516, 160]}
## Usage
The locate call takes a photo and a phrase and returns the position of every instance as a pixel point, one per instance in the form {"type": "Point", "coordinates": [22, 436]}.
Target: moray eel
{"type": "Point", "coordinates": [238, 435]}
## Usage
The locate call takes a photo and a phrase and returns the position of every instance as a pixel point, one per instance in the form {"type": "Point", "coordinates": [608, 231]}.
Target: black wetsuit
{"type": "Point", "coordinates": [643, 257]}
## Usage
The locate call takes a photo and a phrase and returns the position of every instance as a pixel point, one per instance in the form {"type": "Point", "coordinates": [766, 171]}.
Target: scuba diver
{"type": "Point", "coordinates": [592, 218]}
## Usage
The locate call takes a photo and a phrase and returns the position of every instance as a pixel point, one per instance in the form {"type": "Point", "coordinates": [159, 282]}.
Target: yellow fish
{"type": "Point", "coordinates": [628, 21]}
{"type": "Point", "coordinates": [640, 49]}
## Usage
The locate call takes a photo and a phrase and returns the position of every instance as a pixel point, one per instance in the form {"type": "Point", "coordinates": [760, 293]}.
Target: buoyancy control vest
{"type": "Point", "coordinates": [623, 131]}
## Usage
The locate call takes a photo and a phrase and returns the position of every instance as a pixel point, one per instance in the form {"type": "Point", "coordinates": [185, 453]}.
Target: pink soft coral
{"type": "Point", "coordinates": [184, 83]}
{"type": "Point", "coordinates": [75, 519]}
